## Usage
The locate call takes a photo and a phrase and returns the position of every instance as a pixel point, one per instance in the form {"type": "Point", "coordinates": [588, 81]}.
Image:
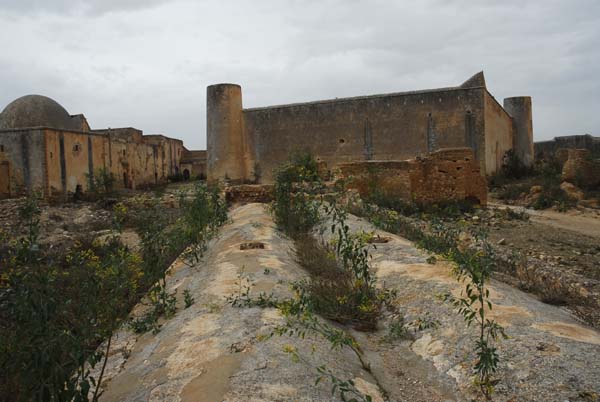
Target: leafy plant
{"type": "Point", "coordinates": [295, 208]}
{"type": "Point", "coordinates": [56, 310]}
{"type": "Point", "coordinates": [474, 267]}
{"type": "Point", "coordinates": [243, 297]}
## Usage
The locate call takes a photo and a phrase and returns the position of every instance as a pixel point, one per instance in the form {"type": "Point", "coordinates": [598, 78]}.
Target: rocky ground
{"type": "Point", "coordinates": [62, 224]}
{"type": "Point", "coordinates": [213, 351]}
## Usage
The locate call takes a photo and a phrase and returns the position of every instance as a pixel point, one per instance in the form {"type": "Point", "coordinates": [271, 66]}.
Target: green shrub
{"type": "Point", "coordinates": [294, 207]}
{"type": "Point", "coordinates": [57, 309]}
{"type": "Point", "coordinates": [512, 192]}
{"type": "Point", "coordinates": [55, 312]}
{"type": "Point", "coordinates": [164, 240]}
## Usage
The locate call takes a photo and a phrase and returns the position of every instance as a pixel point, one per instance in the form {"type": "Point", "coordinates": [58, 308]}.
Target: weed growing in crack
{"type": "Point", "coordinates": [399, 329]}
{"type": "Point", "coordinates": [346, 388]}
{"type": "Point", "coordinates": [188, 299]}
{"type": "Point", "coordinates": [243, 297]}
{"type": "Point", "coordinates": [300, 321]}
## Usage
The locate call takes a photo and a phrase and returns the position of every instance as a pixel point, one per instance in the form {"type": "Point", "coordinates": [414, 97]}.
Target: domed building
{"type": "Point", "coordinates": [39, 111]}
{"type": "Point", "coordinates": [43, 148]}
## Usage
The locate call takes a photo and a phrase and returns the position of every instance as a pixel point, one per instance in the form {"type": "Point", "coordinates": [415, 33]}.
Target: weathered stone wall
{"type": "Point", "coordinates": [499, 133]}
{"type": "Point", "coordinates": [387, 127]}
{"type": "Point", "coordinates": [519, 108]}
{"type": "Point", "coordinates": [58, 161]}
{"type": "Point", "coordinates": [195, 163]}
{"type": "Point", "coordinates": [445, 175]}
{"type": "Point", "coordinates": [23, 158]}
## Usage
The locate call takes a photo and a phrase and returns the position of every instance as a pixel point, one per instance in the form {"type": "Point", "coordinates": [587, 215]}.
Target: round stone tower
{"type": "Point", "coordinates": [224, 133]}
{"type": "Point", "coordinates": [519, 107]}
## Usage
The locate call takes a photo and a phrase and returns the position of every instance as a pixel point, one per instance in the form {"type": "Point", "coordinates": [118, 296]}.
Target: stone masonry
{"type": "Point", "coordinates": [445, 175]}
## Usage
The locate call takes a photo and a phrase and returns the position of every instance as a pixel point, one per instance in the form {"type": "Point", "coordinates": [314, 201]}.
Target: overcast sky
{"type": "Point", "coordinates": [146, 63]}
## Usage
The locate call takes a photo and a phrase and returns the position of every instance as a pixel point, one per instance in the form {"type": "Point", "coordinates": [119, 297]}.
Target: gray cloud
{"type": "Point", "coordinates": [73, 7]}
{"type": "Point", "coordinates": [147, 63]}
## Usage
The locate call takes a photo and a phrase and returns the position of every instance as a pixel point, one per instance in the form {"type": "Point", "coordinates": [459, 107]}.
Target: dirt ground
{"type": "Point", "coordinates": [570, 240]}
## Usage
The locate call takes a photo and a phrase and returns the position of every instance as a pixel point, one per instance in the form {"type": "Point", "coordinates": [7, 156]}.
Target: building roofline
{"type": "Point", "coordinates": [98, 132]}
{"type": "Point", "coordinates": [362, 97]}
{"type": "Point", "coordinates": [11, 130]}
{"type": "Point", "coordinates": [498, 103]}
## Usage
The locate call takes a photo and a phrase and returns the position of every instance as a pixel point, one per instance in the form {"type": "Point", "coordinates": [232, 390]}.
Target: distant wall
{"type": "Point", "coordinates": [382, 127]}
{"type": "Point", "coordinates": [58, 161]}
{"type": "Point", "coordinates": [546, 149]}
{"type": "Point", "coordinates": [498, 134]}
{"type": "Point", "coordinates": [195, 163]}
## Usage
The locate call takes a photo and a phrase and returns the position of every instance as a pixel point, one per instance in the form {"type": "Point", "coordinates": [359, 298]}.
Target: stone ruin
{"type": "Point", "coordinates": [445, 175]}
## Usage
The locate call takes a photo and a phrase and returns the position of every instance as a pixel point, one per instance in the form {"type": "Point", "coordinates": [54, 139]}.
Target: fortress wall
{"type": "Point", "coordinates": [394, 126]}
{"type": "Point", "coordinates": [498, 134]}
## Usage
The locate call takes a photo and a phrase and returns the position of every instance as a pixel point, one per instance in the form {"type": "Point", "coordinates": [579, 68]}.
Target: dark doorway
{"type": "Point", "coordinates": [186, 174]}
{"type": "Point", "coordinates": [125, 181]}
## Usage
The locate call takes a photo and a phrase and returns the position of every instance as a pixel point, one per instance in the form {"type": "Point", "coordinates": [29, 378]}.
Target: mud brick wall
{"type": "Point", "coordinates": [442, 176]}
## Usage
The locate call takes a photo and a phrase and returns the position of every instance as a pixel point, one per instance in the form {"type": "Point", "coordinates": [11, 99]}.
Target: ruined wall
{"type": "Point", "coordinates": [445, 175]}
{"type": "Point", "coordinates": [581, 168]}
{"type": "Point", "coordinates": [498, 134]}
{"type": "Point", "coordinates": [382, 127]}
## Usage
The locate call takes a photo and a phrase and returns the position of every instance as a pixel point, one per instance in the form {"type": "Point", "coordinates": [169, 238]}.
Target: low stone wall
{"type": "Point", "coordinates": [248, 193]}
{"type": "Point", "coordinates": [446, 175]}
